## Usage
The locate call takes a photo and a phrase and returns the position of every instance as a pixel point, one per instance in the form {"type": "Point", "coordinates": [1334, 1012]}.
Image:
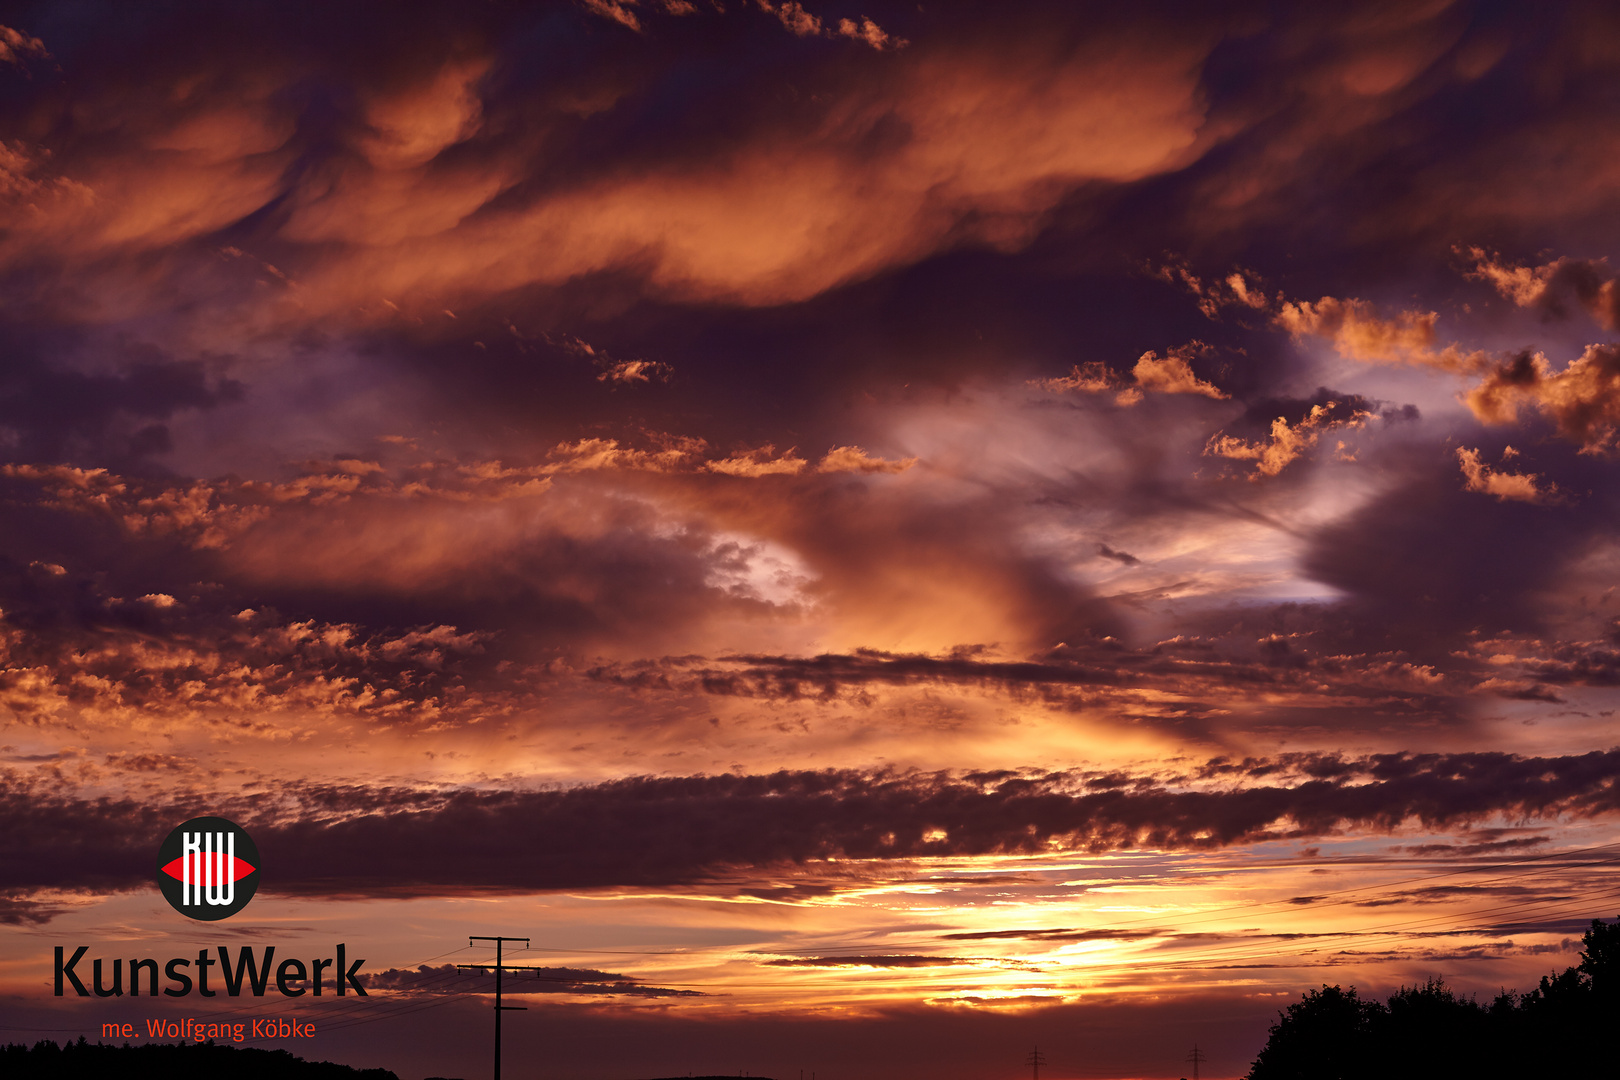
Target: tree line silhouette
{"type": "Point", "coordinates": [1559, 1029]}
{"type": "Point", "coordinates": [84, 1060]}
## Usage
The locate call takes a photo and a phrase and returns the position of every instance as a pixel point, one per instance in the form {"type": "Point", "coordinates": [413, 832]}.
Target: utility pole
{"type": "Point", "coordinates": [1197, 1057]}
{"type": "Point", "coordinates": [1035, 1060]}
{"type": "Point", "coordinates": [499, 1008]}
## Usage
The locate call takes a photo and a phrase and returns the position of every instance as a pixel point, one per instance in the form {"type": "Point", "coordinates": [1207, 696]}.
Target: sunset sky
{"type": "Point", "coordinates": [881, 536]}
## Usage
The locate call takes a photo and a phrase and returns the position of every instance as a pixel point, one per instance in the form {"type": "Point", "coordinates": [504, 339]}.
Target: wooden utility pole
{"type": "Point", "coordinates": [499, 1008]}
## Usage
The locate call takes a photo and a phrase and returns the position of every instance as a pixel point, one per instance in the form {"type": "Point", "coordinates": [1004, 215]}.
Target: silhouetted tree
{"type": "Point", "coordinates": [1600, 960]}
{"type": "Point", "coordinates": [1428, 1032]}
{"type": "Point", "coordinates": [1325, 1036]}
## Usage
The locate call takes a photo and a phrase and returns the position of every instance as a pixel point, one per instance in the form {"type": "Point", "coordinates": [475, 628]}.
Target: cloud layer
{"type": "Point", "coordinates": [683, 830]}
{"type": "Point", "coordinates": [823, 484]}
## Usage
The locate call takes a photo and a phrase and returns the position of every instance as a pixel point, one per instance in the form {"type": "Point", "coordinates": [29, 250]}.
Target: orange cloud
{"type": "Point", "coordinates": [1173, 374]}
{"type": "Point", "coordinates": [1234, 290]}
{"type": "Point", "coordinates": [16, 46]}
{"type": "Point", "coordinates": [628, 372]}
{"type": "Point", "coordinates": [794, 17]}
{"type": "Point", "coordinates": [854, 459]}
{"type": "Point", "coordinates": [1357, 332]}
{"type": "Point", "coordinates": [760, 462]}
{"type": "Point", "coordinates": [1521, 284]}
{"type": "Point", "coordinates": [871, 33]}
{"type": "Point", "coordinates": [590, 454]}
{"type": "Point", "coordinates": [620, 11]}
{"type": "Point", "coordinates": [617, 10]}
{"type": "Point", "coordinates": [1520, 487]}
{"type": "Point", "coordinates": [928, 150]}
{"type": "Point", "coordinates": [1287, 444]}
{"type": "Point", "coordinates": [399, 191]}
{"type": "Point", "coordinates": [1583, 400]}
{"type": "Point", "coordinates": [1092, 377]}
{"type": "Point", "coordinates": [199, 164]}
{"type": "Point", "coordinates": [1170, 374]}
{"type": "Point", "coordinates": [783, 218]}
{"type": "Point", "coordinates": [411, 127]}
{"type": "Point", "coordinates": [1593, 284]}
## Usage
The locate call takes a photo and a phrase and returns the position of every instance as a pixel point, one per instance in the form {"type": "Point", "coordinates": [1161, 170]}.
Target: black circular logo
{"type": "Point", "coordinates": [208, 868]}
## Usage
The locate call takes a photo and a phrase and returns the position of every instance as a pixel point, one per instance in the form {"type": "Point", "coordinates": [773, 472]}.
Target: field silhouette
{"type": "Point", "coordinates": [45, 1060]}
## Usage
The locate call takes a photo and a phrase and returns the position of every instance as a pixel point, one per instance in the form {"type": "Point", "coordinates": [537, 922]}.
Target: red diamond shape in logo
{"type": "Point", "coordinates": [240, 869]}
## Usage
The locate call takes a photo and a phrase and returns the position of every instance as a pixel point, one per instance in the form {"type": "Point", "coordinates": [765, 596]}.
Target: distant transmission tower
{"type": "Point", "coordinates": [1197, 1057]}
{"type": "Point", "coordinates": [1035, 1060]}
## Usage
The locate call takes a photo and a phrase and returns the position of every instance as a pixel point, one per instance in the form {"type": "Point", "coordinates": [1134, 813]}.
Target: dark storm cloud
{"type": "Point", "coordinates": [1356, 90]}
{"type": "Point", "coordinates": [1172, 939]}
{"type": "Point", "coordinates": [1060, 933]}
{"type": "Point", "coordinates": [1428, 560]}
{"type": "Point", "coordinates": [1429, 76]}
{"type": "Point", "coordinates": [1262, 660]}
{"type": "Point", "coordinates": [1436, 894]}
{"type": "Point", "coordinates": [1487, 845]}
{"type": "Point", "coordinates": [1591, 283]}
{"type": "Point", "coordinates": [539, 103]}
{"type": "Point", "coordinates": [1124, 558]}
{"type": "Point", "coordinates": [23, 911]}
{"type": "Point", "coordinates": [1580, 664]}
{"type": "Point", "coordinates": [449, 979]}
{"type": "Point", "coordinates": [111, 415]}
{"type": "Point", "coordinates": [546, 99]}
{"type": "Point", "coordinates": [651, 831]}
{"type": "Point", "coordinates": [825, 676]}
{"type": "Point", "coordinates": [1336, 405]}
{"type": "Point", "coordinates": [872, 961]}
{"type": "Point", "coordinates": [513, 109]}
